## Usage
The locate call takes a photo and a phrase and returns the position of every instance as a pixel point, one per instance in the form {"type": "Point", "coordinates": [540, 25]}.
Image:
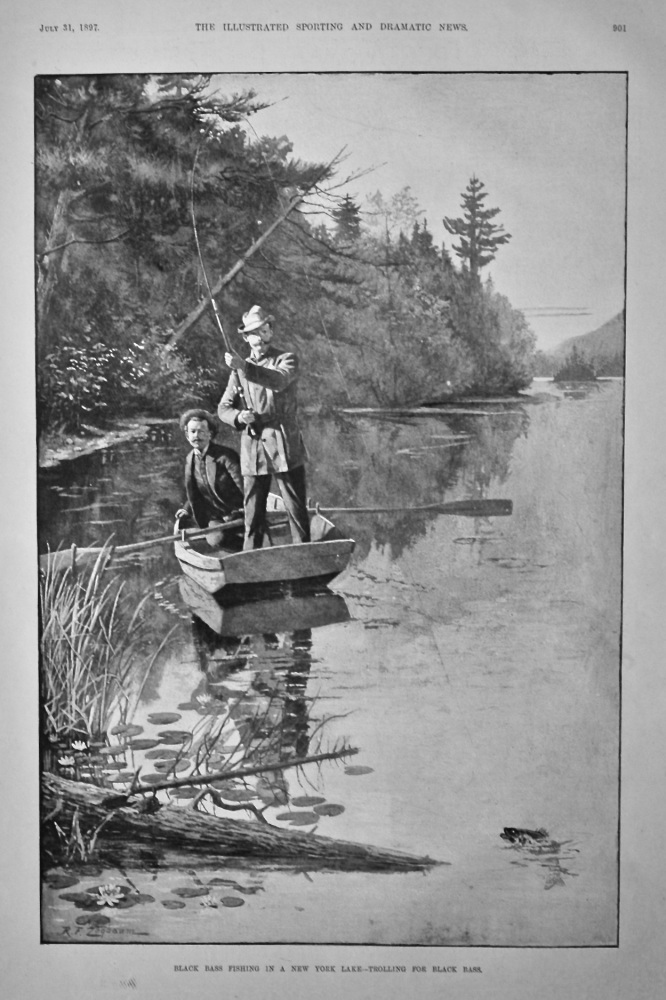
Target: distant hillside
{"type": "Point", "coordinates": [603, 348]}
{"type": "Point", "coordinates": [599, 345]}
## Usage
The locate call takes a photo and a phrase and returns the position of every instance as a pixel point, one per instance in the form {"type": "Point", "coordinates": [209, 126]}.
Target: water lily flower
{"type": "Point", "coordinates": [66, 761]}
{"type": "Point", "coordinates": [208, 901]}
{"type": "Point", "coordinates": [79, 745]}
{"type": "Point", "coordinates": [109, 895]}
{"type": "Point", "coordinates": [204, 699]}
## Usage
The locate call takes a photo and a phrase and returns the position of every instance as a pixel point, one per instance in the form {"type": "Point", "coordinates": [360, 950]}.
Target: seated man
{"type": "Point", "coordinates": [213, 481]}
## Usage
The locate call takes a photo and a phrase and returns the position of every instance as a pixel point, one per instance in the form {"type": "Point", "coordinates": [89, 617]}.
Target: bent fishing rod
{"type": "Point", "coordinates": [239, 386]}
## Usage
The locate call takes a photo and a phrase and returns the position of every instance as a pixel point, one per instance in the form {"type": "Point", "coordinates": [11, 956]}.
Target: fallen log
{"type": "Point", "coordinates": [176, 833]}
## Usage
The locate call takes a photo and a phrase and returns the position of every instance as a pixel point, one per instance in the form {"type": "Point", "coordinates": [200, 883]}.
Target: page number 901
{"type": "Point", "coordinates": [619, 27]}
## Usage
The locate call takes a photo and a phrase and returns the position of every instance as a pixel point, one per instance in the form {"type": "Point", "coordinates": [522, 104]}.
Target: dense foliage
{"type": "Point", "coordinates": [129, 167]}
{"type": "Point", "coordinates": [575, 368]}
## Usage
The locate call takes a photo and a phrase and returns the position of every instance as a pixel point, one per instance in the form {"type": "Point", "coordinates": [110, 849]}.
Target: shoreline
{"type": "Point", "coordinates": [54, 449]}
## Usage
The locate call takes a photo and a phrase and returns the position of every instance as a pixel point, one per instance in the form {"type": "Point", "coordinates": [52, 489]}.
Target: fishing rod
{"type": "Point", "coordinates": [213, 303]}
{"type": "Point", "coordinates": [239, 385]}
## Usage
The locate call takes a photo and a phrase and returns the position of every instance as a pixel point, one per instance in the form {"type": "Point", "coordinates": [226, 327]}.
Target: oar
{"type": "Point", "coordinates": [464, 508]}
{"type": "Point", "coordinates": [75, 556]}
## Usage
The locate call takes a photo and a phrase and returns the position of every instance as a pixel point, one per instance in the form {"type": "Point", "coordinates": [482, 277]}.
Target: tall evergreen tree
{"type": "Point", "coordinates": [479, 235]}
{"type": "Point", "coordinates": [347, 218]}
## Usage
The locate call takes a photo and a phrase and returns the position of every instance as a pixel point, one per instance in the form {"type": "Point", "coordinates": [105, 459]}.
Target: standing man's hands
{"type": "Point", "coordinates": [248, 417]}
{"type": "Point", "coordinates": [234, 360]}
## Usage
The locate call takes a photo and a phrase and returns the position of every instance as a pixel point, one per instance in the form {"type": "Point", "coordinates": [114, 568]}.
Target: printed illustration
{"type": "Point", "coordinates": [330, 396]}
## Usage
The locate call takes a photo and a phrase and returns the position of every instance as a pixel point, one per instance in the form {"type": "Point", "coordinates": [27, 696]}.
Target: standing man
{"type": "Point", "coordinates": [213, 481]}
{"type": "Point", "coordinates": [261, 401]}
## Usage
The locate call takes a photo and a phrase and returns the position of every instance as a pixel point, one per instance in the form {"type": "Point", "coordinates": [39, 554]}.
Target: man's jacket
{"type": "Point", "coordinates": [269, 387]}
{"type": "Point", "coordinates": [222, 471]}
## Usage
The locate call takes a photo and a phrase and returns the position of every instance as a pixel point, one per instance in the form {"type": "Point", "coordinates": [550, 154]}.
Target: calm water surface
{"type": "Point", "coordinates": [473, 661]}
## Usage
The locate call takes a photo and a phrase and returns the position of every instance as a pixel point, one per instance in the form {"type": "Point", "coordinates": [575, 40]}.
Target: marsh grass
{"type": "Point", "coordinates": [92, 634]}
{"type": "Point", "coordinates": [75, 843]}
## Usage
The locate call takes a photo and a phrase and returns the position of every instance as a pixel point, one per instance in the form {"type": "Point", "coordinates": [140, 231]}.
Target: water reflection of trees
{"type": "Point", "coordinates": [265, 678]}
{"type": "Point", "coordinates": [410, 461]}
{"type": "Point", "coordinates": [129, 491]}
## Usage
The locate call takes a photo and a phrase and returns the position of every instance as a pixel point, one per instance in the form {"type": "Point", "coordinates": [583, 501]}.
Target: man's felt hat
{"type": "Point", "coordinates": [254, 318]}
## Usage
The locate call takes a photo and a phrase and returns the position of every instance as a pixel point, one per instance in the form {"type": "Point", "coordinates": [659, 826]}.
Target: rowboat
{"type": "Point", "coordinates": [219, 570]}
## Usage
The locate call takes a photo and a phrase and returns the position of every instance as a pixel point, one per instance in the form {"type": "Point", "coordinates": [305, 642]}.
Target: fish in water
{"type": "Point", "coordinates": [535, 846]}
{"type": "Point", "coordinates": [516, 835]}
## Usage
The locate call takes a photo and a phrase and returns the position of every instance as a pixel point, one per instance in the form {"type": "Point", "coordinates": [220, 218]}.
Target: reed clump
{"type": "Point", "coordinates": [92, 635]}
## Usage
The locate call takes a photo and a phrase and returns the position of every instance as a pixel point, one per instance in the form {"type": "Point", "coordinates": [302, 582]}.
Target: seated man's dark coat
{"type": "Point", "coordinates": [225, 495]}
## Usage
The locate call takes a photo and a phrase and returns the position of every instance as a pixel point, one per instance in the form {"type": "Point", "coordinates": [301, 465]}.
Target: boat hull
{"type": "Point", "coordinates": [221, 571]}
{"type": "Point", "coordinates": [310, 561]}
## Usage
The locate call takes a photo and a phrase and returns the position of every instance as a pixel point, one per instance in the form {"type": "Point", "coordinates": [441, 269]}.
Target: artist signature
{"type": "Point", "coordinates": [69, 933]}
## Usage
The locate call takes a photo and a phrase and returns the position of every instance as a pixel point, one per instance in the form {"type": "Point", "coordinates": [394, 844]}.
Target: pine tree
{"type": "Point", "coordinates": [479, 236]}
{"type": "Point", "coordinates": [347, 218]}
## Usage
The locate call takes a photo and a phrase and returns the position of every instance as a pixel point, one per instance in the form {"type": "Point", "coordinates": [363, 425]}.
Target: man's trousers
{"type": "Point", "coordinates": [292, 488]}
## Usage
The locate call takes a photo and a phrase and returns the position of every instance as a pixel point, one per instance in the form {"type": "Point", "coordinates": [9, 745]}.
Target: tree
{"type": "Point", "coordinates": [479, 236]}
{"type": "Point", "coordinates": [347, 218]}
{"type": "Point", "coordinates": [112, 171]}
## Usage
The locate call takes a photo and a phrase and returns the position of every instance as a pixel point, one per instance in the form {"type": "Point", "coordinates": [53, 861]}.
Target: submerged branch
{"type": "Point", "coordinates": [241, 772]}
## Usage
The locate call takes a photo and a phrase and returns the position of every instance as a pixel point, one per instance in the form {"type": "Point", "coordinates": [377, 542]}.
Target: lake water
{"type": "Point", "coordinates": [474, 663]}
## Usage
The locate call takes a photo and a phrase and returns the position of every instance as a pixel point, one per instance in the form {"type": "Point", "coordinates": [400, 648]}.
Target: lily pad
{"type": "Point", "coordinates": [173, 904]}
{"type": "Point", "coordinates": [143, 744]}
{"type": "Point", "coordinates": [114, 765]}
{"type": "Point", "coordinates": [93, 919]}
{"type": "Point", "coordinates": [126, 902]}
{"type": "Point", "coordinates": [232, 901]}
{"type": "Point", "coordinates": [80, 899]}
{"type": "Point", "coordinates": [307, 800]}
{"type": "Point", "coordinates": [299, 818]}
{"type": "Point", "coordinates": [189, 891]}
{"type": "Point", "coordinates": [61, 881]}
{"type": "Point", "coordinates": [174, 736]}
{"type": "Point", "coordinates": [329, 809]}
{"type": "Point", "coordinates": [171, 766]}
{"type": "Point", "coordinates": [358, 769]}
{"type": "Point", "coordinates": [163, 718]}
{"type": "Point", "coordinates": [304, 819]}
{"type": "Point", "coordinates": [124, 729]}
{"type": "Point", "coordinates": [151, 779]}
{"type": "Point", "coordinates": [248, 890]}
{"type": "Point", "coordinates": [185, 792]}
{"type": "Point", "coordinates": [93, 899]}
{"type": "Point", "coordinates": [112, 751]}
{"type": "Point", "coordinates": [162, 753]}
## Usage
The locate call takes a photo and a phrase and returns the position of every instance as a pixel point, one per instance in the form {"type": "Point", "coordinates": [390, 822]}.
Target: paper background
{"type": "Point", "coordinates": [515, 36]}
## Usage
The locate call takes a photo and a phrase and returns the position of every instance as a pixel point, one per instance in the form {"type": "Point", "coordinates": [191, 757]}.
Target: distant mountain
{"type": "Point", "coordinates": [601, 345]}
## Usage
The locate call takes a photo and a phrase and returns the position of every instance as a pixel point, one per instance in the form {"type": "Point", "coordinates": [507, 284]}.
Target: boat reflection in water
{"type": "Point", "coordinates": [255, 661]}
{"type": "Point", "coordinates": [283, 610]}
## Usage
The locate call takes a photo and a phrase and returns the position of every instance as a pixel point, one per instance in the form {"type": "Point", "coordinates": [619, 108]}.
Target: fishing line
{"type": "Point", "coordinates": [200, 255]}
{"type": "Point", "coordinates": [303, 272]}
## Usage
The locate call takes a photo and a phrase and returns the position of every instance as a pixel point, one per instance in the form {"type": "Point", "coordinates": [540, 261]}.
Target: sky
{"type": "Point", "coordinates": [549, 148]}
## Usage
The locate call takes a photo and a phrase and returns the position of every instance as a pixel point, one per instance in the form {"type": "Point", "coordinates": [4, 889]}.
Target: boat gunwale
{"type": "Point", "coordinates": [205, 560]}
